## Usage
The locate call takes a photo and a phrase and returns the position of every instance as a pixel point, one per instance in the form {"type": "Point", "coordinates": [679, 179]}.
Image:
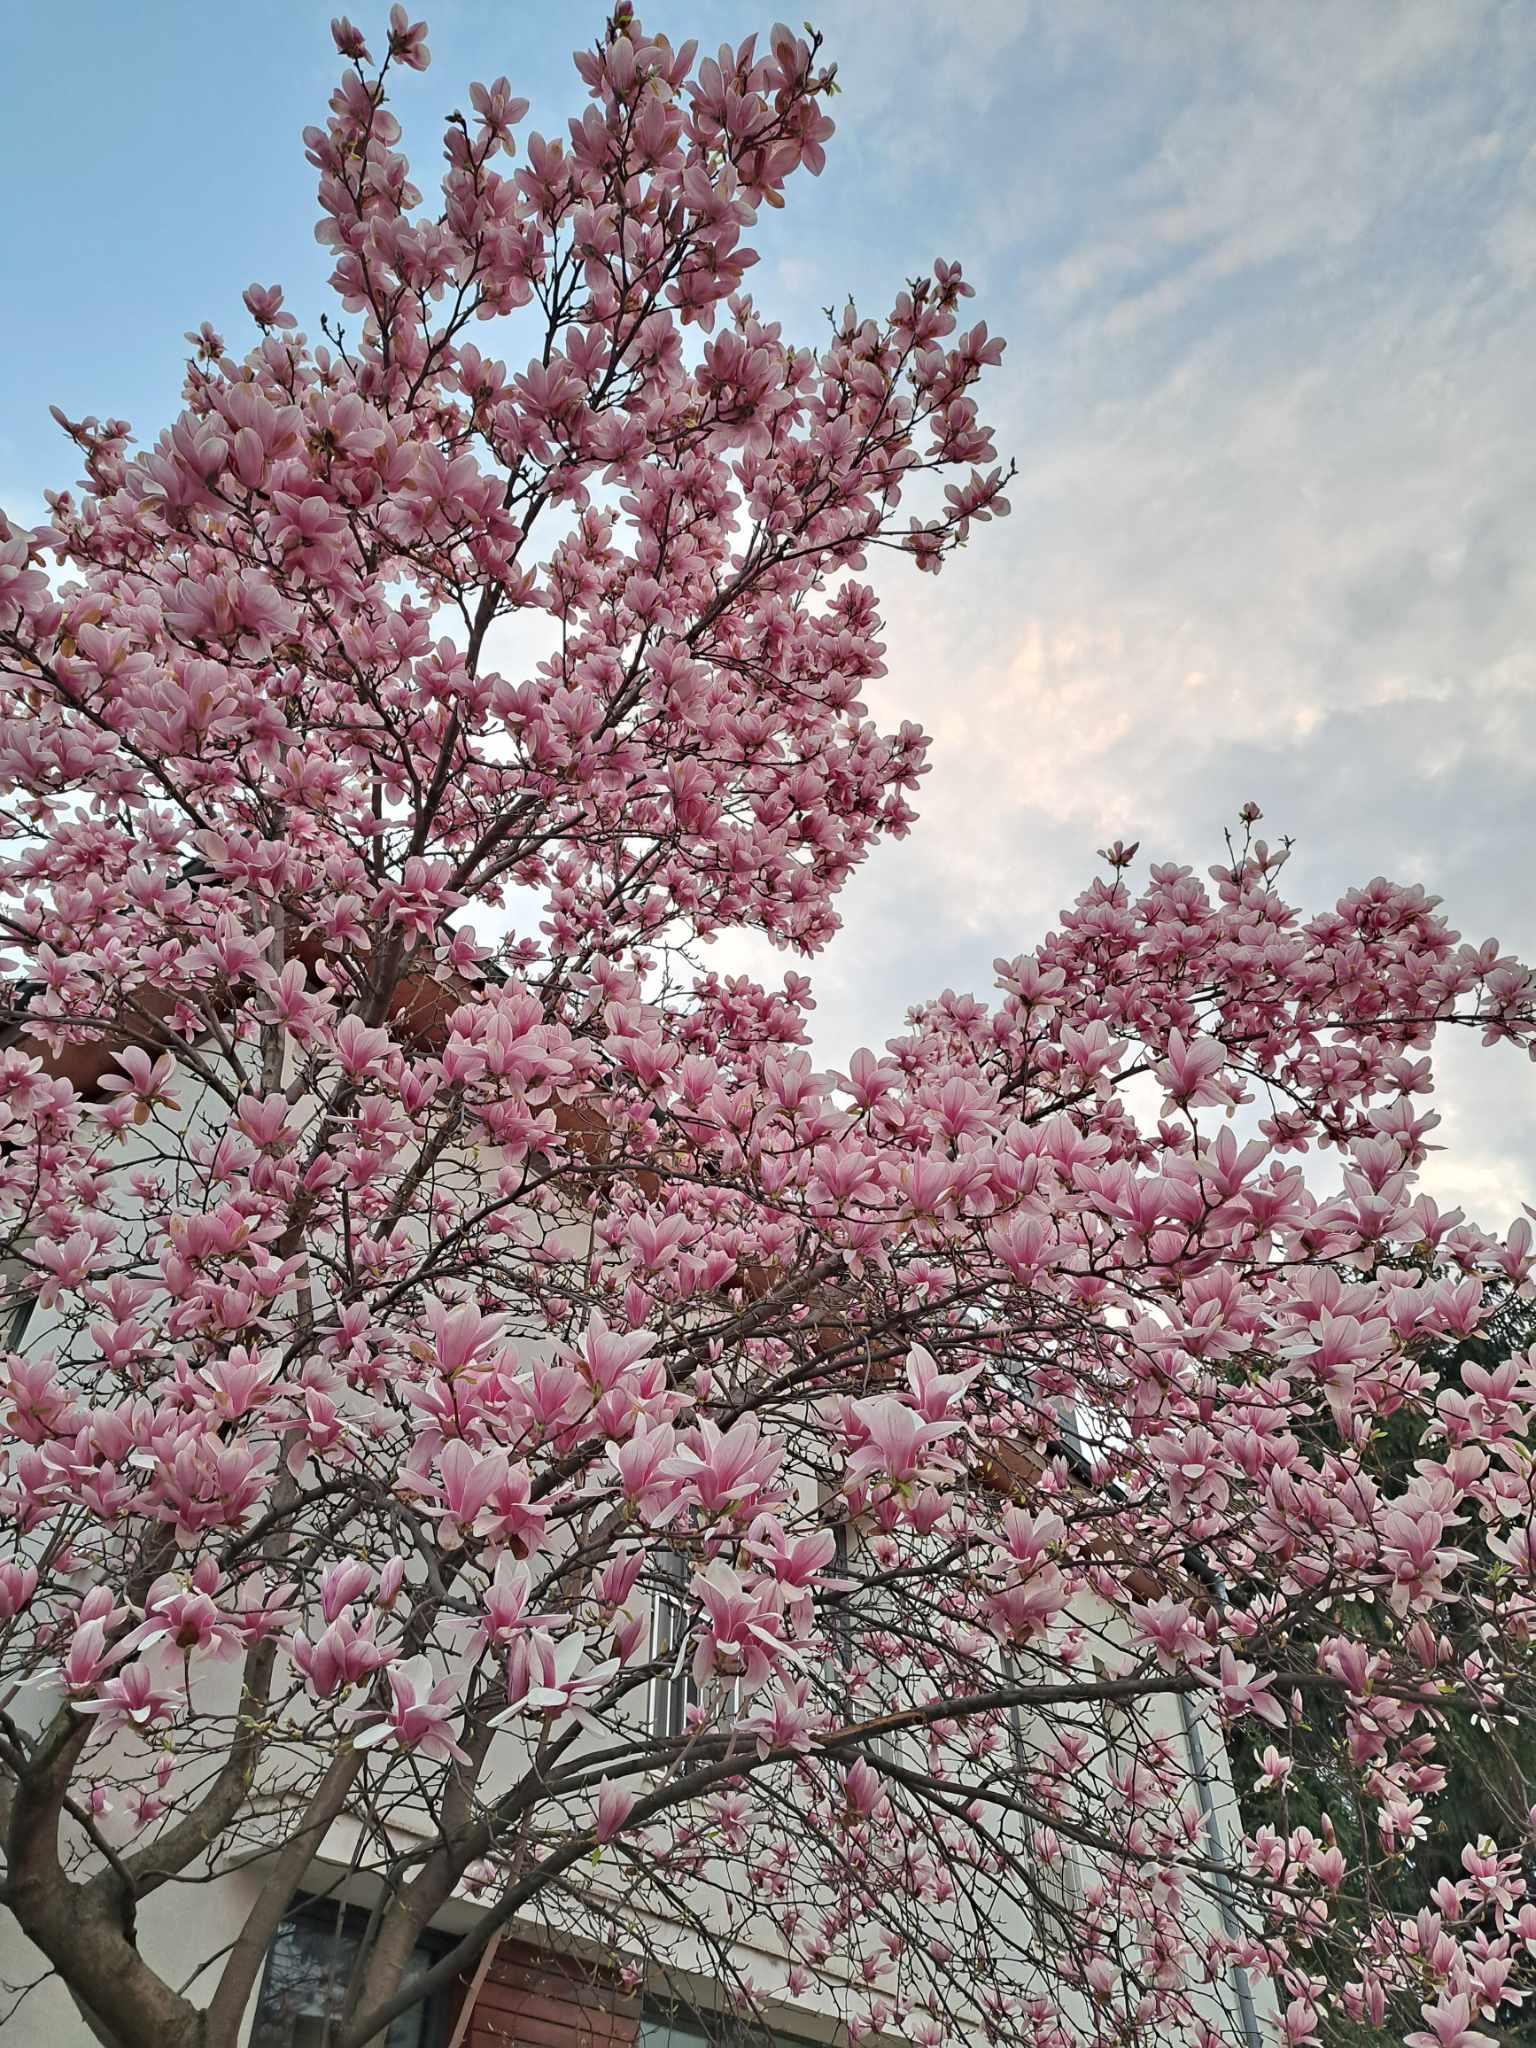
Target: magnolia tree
{"type": "Point", "coordinates": [487, 1403]}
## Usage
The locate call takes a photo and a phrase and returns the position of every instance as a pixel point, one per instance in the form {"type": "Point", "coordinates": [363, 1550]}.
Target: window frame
{"type": "Point", "coordinates": [839, 1611]}
{"type": "Point", "coordinates": [319, 1910]}
{"type": "Point", "coordinates": [18, 1303]}
{"type": "Point", "coordinates": [672, 1692]}
{"type": "Point", "coordinates": [1061, 1885]}
{"type": "Point", "coordinates": [700, 2029]}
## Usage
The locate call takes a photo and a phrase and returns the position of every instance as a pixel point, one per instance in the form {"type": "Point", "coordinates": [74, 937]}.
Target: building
{"type": "Point", "coordinates": [542, 1986]}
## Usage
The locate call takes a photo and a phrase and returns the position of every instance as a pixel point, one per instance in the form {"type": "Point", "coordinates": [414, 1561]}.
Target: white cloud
{"type": "Point", "coordinates": [1267, 276]}
{"type": "Point", "coordinates": [1269, 393]}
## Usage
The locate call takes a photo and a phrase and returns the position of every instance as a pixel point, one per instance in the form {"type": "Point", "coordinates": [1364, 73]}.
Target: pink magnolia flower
{"type": "Point", "coordinates": [724, 1473]}
{"type": "Point", "coordinates": [1172, 1630]}
{"type": "Point", "coordinates": [505, 1610]}
{"type": "Point", "coordinates": [18, 1583]}
{"type": "Point", "coordinates": [895, 1444]}
{"type": "Point", "coordinates": [130, 1700]}
{"type": "Point", "coordinates": [1448, 2024]}
{"type": "Point", "coordinates": [611, 1810]}
{"type": "Point", "coordinates": [1190, 1071]}
{"type": "Point", "coordinates": [146, 1083]}
{"type": "Point", "coordinates": [88, 1657]}
{"type": "Point", "coordinates": [486, 1495]}
{"type": "Point", "coordinates": [797, 1563]}
{"type": "Point", "coordinates": [545, 1677]}
{"type": "Point", "coordinates": [344, 1656]}
{"type": "Point", "coordinates": [182, 1620]}
{"type": "Point", "coordinates": [419, 1714]}
{"type": "Point", "coordinates": [646, 1475]}
{"type": "Point", "coordinates": [1274, 1769]}
{"type": "Point", "coordinates": [1244, 1691]}
{"type": "Point", "coordinates": [741, 1635]}
{"type": "Point", "coordinates": [863, 1790]}
{"type": "Point", "coordinates": [344, 1583]}
{"type": "Point", "coordinates": [787, 1721]}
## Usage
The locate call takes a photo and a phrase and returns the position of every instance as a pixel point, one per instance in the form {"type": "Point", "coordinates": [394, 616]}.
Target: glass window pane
{"type": "Point", "coordinates": [309, 1967]}
{"type": "Point", "coordinates": [670, 2033]}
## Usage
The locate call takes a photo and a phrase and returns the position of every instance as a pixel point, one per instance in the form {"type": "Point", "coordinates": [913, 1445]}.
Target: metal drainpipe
{"type": "Point", "coordinates": [1071, 1445]}
{"type": "Point", "coordinates": [1217, 1847]}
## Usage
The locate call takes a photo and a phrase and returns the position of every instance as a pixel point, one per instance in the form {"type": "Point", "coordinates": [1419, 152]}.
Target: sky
{"type": "Point", "coordinates": [1268, 279]}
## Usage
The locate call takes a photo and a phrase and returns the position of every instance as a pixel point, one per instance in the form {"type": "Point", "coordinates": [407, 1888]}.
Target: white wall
{"type": "Point", "coordinates": [180, 1926]}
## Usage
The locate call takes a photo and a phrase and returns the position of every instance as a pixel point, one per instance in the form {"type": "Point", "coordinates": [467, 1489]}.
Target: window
{"type": "Point", "coordinates": [1060, 1890]}
{"type": "Point", "coordinates": [673, 1691]}
{"type": "Point", "coordinates": [1013, 1675]}
{"type": "Point", "coordinates": [1073, 1442]}
{"type": "Point", "coordinates": [839, 1611]}
{"type": "Point", "coordinates": [1056, 1891]}
{"type": "Point", "coordinates": [664, 2029]}
{"type": "Point", "coordinates": [1205, 1780]}
{"type": "Point", "coordinates": [309, 1968]}
{"type": "Point", "coordinates": [840, 1614]}
{"type": "Point", "coordinates": [664, 2026]}
{"type": "Point", "coordinates": [1117, 1724]}
{"type": "Point", "coordinates": [18, 1299]}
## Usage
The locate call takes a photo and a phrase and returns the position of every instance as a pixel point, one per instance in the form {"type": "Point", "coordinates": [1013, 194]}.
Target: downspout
{"type": "Point", "coordinates": [1217, 1849]}
{"type": "Point", "coordinates": [1070, 1446]}
{"type": "Point", "coordinates": [1216, 1845]}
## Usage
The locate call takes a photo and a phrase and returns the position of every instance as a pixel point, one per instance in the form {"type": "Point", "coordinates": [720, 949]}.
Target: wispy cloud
{"type": "Point", "coordinates": [1269, 279]}
{"type": "Point", "coordinates": [1268, 390]}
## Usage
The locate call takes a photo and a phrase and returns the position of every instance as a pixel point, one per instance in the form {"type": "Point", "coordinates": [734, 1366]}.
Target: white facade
{"type": "Point", "coordinates": [186, 1927]}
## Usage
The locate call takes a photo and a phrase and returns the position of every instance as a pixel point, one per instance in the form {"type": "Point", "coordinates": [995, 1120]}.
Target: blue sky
{"type": "Point", "coordinates": [1268, 278]}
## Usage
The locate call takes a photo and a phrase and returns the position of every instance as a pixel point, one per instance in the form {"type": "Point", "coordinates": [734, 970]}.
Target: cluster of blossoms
{"type": "Point", "coordinates": [500, 1388]}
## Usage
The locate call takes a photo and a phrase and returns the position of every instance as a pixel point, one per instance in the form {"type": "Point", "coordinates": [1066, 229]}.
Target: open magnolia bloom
{"type": "Point", "coordinates": [522, 1497]}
